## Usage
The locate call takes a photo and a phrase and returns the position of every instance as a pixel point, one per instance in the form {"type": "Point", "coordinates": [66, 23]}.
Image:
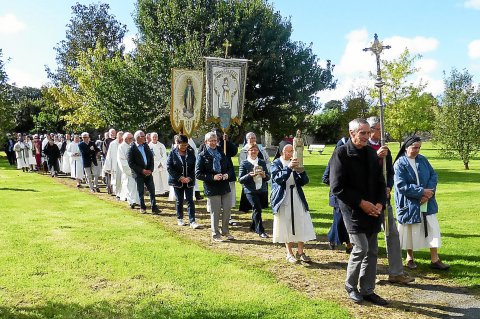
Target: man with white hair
{"type": "Point", "coordinates": [111, 166]}
{"type": "Point", "coordinates": [357, 181]}
{"type": "Point", "coordinates": [160, 174]}
{"type": "Point", "coordinates": [128, 190]}
{"type": "Point", "coordinates": [91, 167]}
{"type": "Point", "coordinates": [140, 160]}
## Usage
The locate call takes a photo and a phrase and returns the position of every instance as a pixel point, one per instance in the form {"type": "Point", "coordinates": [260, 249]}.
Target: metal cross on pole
{"type": "Point", "coordinates": [377, 48]}
{"type": "Point", "coordinates": [226, 44]}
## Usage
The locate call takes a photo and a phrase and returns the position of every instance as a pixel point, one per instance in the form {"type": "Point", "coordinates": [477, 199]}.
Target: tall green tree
{"type": "Point", "coordinates": [356, 104]}
{"type": "Point", "coordinates": [458, 117]}
{"type": "Point", "coordinates": [408, 109]}
{"type": "Point", "coordinates": [6, 108]}
{"type": "Point", "coordinates": [111, 91]}
{"type": "Point", "coordinates": [89, 25]}
{"type": "Point", "coordinates": [26, 105]}
{"type": "Point", "coordinates": [283, 76]}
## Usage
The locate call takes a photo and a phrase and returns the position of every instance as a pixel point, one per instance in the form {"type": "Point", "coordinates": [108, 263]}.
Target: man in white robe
{"type": "Point", "coordinates": [65, 157]}
{"type": "Point", "coordinates": [75, 158]}
{"type": "Point", "coordinates": [23, 154]}
{"type": "Point", "coordinates": [160, 174]}
{"type": "Point", "coordinates": [110, 166]}
{"type": "Point", "coordinates": [128, 190]}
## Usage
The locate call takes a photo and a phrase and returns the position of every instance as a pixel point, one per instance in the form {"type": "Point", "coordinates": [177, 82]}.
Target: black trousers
{"type": "Point", "coordinates": [10, 157]}
{"type": "Point", "coordinates": [147, 181]}
{"type": "Point", "coordinates": [255, 200]}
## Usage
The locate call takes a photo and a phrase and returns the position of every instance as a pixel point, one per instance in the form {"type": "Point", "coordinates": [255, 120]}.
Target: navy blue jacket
{"type": "Point", "coordinates": [247, 181]}
{"type": "Point", "coordinates": [280, 175]}
{"type": "Point", "coordinates": [204, 172]}
{"type": "Point", "coordinates": [89, 153]}
{"type": "Point", "coordinates": [177, 169]}
{"type": "Point", "coordinates": [136, 162]}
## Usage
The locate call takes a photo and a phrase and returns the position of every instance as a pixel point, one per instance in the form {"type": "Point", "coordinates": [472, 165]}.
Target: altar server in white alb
{"type": "Point", "coordinates": [128, 190]}
{"type": "Point", "coordinates": [65, 156]}
{"type": "Point", "coordinates": [160, 174]}
{"type": "Point", "coordinates": [76, 163]}
{"type": "Point", "coordinates": [110, 166]}
{"type": "Point", "coordinates": [23, 154]}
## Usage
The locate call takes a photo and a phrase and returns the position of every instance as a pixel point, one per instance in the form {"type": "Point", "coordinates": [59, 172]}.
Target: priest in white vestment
{"type": "Point", "coordinates": [23, 155]}
{"type": "Point", "coordinates": [110, 166]}
{"type": "Point", "coordinates": [160, 174]}
{"type": "Point", "coordinates": [128, 190]}
{"type": "Point", "coordinates": [75, 158]}
{"type": "Point", "coordinates": [65, 157]}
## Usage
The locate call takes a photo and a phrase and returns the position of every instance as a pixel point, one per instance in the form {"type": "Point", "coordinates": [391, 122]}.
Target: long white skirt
{"type": "Point", "coordinates": [129, 190]}
{"type": "Point", "coordinates": [66, 163]}
{"type": "Point", "coordinates": [76, 167]}
{"type": "Point", "coordinates": [282, 224]}
{"type": "Point", "coordinates": [412, 236]}
{"type": "Point", "coordinates": [160, 179]}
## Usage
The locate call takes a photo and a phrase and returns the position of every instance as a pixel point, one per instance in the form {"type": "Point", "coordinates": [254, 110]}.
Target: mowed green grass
{"type": "Point", "coordinates": [67, 254]}
{"type": "Point", "coordinates": [458, 196]}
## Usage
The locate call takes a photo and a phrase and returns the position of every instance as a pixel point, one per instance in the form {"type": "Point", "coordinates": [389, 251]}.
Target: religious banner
{"type": "Point", "coordinates": [186, 101]}
{"type": "Point", "coordinates": [225, 90]}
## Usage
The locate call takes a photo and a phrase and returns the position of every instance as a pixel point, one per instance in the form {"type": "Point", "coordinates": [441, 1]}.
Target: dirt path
{"type": "Point", "coordinates": [430, 296]}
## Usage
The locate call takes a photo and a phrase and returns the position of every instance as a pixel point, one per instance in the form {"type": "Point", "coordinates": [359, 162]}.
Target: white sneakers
{"type": "Point", "coordinates": [180, 222]}
{"type": "Point", "coordinates": [194, 225]}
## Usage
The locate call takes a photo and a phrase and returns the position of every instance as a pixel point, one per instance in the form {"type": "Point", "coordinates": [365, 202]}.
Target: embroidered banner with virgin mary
{"type": "Point", "coordinates": [225, 90]}
{"type": "Point", "coordinates": [186, 102]}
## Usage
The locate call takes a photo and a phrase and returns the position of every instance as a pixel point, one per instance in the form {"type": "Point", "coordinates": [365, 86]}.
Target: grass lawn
{"type": "Point", "coordinates": [68, 254]}
{"type": "Point", "coordinates": [459, 207]}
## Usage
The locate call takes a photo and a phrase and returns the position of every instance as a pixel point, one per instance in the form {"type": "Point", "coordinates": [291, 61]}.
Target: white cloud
{"type": "Point", "coordinates": [21, 78]}
{"type": "Point", "coordinates": [128, 42]}
{"type": "Point", "coordinates": [9, 24]}
{"type": "Point", "coordinates": [474, 49]}
{"type": "Point", "coordinates": [426, 66]}
{"type": "Point", "coordinates": [474, 4]}
{"type": "Point", "coordinates": [416, 45]}
{"type": "Point", "coordinates": [352, 71]}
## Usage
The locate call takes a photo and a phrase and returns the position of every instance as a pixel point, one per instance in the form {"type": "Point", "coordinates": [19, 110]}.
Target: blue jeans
{"type": "Point", "coordinates": [180, 194]}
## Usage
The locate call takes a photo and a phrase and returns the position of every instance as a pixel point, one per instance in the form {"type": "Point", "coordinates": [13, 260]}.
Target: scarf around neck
{"type": "Point", "coordinates": [216, 159]}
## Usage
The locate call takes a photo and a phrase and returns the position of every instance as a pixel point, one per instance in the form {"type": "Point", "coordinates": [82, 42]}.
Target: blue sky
{"type": "Point", "coordinates": [444, 32]}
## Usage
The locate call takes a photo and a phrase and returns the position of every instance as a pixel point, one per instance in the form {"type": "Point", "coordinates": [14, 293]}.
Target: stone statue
{"type": "Point", "coordinates": [298, 150]}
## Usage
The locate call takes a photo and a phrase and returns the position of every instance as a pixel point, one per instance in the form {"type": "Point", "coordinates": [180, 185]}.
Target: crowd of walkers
{"type": "Point", "coordinates": [134, 165]}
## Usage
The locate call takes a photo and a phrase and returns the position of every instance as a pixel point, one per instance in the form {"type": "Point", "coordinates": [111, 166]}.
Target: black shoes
{"type": "Point", "coordinates": [439, 265]}
{"type": "Point", "coordinates": [132, 206]}
{"type": "Point", "coordinates": [155, 210]}
{"type": "Point", "coordinates": [375, 299]}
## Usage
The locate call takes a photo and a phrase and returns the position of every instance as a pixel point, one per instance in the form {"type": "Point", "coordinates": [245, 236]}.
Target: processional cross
{"type": "Point", "coordinates": [226, 44]}
{"type": "Point", "coordinates": [377, 48]}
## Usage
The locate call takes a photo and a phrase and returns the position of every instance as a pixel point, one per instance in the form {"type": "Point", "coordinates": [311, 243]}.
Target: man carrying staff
{"type": "Point", "coordinates": [357, 181]}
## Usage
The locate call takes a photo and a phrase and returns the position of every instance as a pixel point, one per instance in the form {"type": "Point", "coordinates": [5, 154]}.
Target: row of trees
{"type": "Point", "coordinates": [96, 85]}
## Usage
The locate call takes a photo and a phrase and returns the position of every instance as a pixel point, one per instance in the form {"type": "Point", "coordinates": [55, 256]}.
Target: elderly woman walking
{"type": "Point", "coordinates": [291, 220]}
{"type": "Point", "coordinates": [214, 169]}
{"type": "Point", "coordinates": [415, 188]}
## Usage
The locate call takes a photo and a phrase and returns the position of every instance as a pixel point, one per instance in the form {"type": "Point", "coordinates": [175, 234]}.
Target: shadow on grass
{"type": "Point", "coordinates": [452, 235]}
{"type": "Point", "coordinates": [107, 310]}
{"type": "Point", "coordinates": [18, 189]}
{"type": "Point", "coordinates": [437, 311]}
{"type": "Point", "coordinates": [447, 176]}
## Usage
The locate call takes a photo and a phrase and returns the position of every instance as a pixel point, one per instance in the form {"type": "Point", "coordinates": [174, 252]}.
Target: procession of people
{"type": "Point", "coordinates": [133, 166]}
